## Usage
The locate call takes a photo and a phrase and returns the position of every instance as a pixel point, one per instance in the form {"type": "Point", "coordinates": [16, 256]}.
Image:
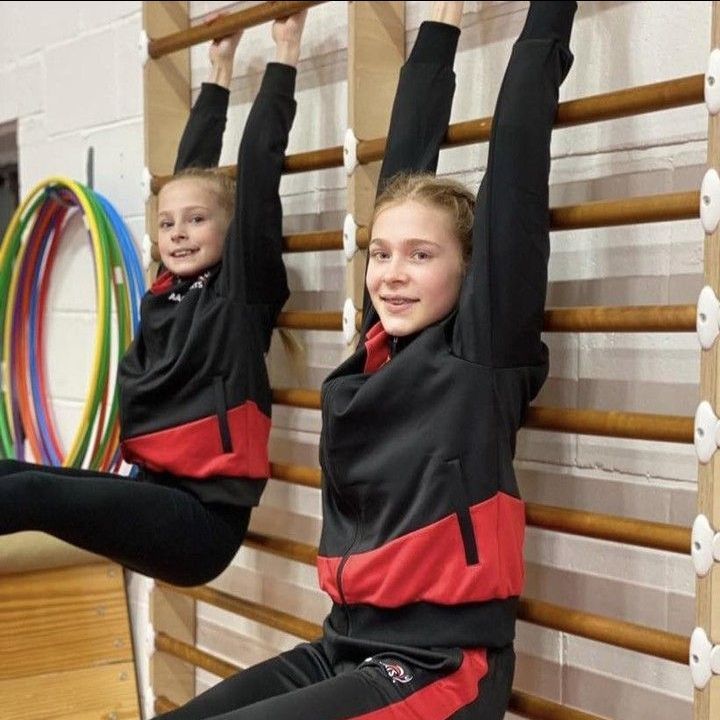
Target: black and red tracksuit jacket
{"type": "Point", "coordinates": [194, 391]}
{"type": "Point", "coordinates": [423, 526]}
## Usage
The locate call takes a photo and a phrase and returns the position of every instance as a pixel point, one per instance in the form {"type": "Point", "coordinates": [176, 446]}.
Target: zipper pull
{"type": "Point", "coordinates": [393, 346]}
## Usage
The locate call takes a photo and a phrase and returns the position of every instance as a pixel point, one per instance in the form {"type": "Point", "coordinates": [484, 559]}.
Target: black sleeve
{"type": "Point", "coordinates": [253, 270]}
{"type": "Point", "coordinates": [502, 301]}
{"type": "Point", "coordinates": [423, 101]}
{"type": "Point", "coordinates": [201, 141]}
{"type": "Point", "coordinates": [420, 114]}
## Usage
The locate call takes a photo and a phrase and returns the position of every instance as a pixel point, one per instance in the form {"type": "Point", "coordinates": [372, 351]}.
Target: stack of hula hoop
{"type": "Point", "coordinates": [27, 255]}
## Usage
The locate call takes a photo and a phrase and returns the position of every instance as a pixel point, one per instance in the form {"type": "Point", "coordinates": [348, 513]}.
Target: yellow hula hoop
{"type": "Point", "coordinates": [101, 291]}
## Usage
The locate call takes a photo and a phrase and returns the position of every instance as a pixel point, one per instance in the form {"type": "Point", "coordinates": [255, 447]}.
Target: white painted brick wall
{"type": "Point", "coordinates": [70, 76]}
{"type": "Point", "coordinates": [77, 71]}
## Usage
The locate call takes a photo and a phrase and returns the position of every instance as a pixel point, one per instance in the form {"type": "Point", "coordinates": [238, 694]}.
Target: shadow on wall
{"type": "Point", "coordinates": [9, 197]}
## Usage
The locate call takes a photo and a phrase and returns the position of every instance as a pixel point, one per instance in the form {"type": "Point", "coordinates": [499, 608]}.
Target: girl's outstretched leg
{"type": "Point", "coordinates": [158, 530]}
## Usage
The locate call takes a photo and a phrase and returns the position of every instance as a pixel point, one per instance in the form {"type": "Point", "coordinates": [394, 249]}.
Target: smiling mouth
{"type": "Point", "coordinates": [395, 300]}
{"type": "Point", "coordinates": [185, 252]}
{"type": "Point", "coordinates": [398, 305]}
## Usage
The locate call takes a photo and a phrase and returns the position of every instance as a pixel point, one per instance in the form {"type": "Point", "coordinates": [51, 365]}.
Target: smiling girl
{"type": "Point", "coordinates": [194, 394]}
{"type": "Point", "coordinates": [422, 539]}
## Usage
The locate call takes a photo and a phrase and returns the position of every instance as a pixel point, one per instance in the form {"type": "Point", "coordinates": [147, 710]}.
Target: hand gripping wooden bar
{"type": "Point", "coordinates": [226, 25]}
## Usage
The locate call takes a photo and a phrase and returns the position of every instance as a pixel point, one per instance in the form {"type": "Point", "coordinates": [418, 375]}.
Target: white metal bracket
{"type": "Point", "coordinates": [350, 158]}
{"type": "Point", "coordinates": [143, 42]}
{"type": "Point", "coordinates": [704, 542]}
{"type": "Point", "coordinates": [146, 184]}
{"type": "Point", "coordinates": [700, 649]}
{"type": "Point", "coordinates": [707, 432]}
{"type": "Point", "coordinates": [349, 314]}
{"type": "Point", "coordinates": [712, 82]}
{"type": "Point", "coordinates": [146, 252]}
{"type": "Point", "coordinates": [350, 236]}
{"type": "Point", "coordinates": [710, 201]}
{"type": "Point", "coordinates": [707, 321]}
{"type": "Point", "coordinates": [704, 658]}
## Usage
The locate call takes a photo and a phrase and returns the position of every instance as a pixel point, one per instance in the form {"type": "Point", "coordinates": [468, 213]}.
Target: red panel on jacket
{"type": "Point", "coordinates": [377, 347]}
{"type": "Point", "coordinates": [195, 449]}
{"type": "Point", "coordinates": [163, 283]}
{"type": "Point", "coordinates": [429, 565]}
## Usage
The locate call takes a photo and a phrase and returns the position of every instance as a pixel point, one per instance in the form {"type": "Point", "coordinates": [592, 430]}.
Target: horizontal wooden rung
{"type": "Point", "coordinates": [224, 25]}
{"type": "Point", "coordinates": [620, 633]}
{"type": "Point", "coordinates": [637, 426]}
{"type": "Point", "coordinates": [630, 531]}
{"type": "Point", "coordinates": [190, 654]}
{"type": "Point", "coordinates": [633, 426]}
{"type": "Point", "coordinates": [628, 102]}
{"type": "Point", "coordinates": [310, 320]}
{"type": "Point", "coordinates": [537, 708]}
{"type": "Point", "coordinates": [275, 619]}
{"type": "Point", "coordinates": [630, 318]}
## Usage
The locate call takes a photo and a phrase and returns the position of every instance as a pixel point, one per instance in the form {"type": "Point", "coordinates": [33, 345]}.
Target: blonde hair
{"type": "Point", "coordinates": [222, 184]}
{"type": "Point", "coordinates": [441, 193]}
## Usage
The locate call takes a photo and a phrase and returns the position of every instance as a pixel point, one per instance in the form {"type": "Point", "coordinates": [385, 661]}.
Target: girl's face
{"type": "Point", "coordinates": [415, 267]}
{"type": "Point", "coordinates": [191, 226]}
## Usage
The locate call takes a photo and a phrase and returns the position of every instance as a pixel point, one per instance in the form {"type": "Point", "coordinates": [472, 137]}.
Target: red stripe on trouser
{"type": "Point", "coordinates": [442, 698]}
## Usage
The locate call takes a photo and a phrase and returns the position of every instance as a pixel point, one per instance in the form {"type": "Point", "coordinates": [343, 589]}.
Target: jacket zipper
{"type": "Point", "coordinates": [393, 346]}
{"type": "Point", "coordinates": [332, 468]}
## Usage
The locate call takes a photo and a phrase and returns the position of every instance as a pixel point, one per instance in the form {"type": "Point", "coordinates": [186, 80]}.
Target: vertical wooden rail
{"type": "Point", "coordinates": [166, 89]}
{"type": "Point", "coordinates": [166, 94]}
{"type": "Point", "coordinates": [376, 52]}
{"type": "Point", "coordinates": [707, 589]}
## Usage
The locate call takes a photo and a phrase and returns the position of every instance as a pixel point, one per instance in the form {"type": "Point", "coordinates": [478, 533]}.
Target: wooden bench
{"type": "Point", "coordinates": [65, 644]}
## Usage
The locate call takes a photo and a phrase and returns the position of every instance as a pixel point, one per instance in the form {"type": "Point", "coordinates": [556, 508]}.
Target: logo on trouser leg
{"type": "Point", "coordinates": [396, 672]}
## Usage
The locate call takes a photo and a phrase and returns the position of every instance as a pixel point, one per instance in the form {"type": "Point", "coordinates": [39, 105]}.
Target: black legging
{"type": "Point", "coordinates": [305, 683]}
{"type": "Point", "coordinates": [155, 529]}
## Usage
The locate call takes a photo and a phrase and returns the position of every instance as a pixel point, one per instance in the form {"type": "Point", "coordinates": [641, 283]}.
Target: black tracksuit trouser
{"type": "Point", "coordinates": [304, 683]}
{"type": "Point", "coordinates": [159, 530]}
